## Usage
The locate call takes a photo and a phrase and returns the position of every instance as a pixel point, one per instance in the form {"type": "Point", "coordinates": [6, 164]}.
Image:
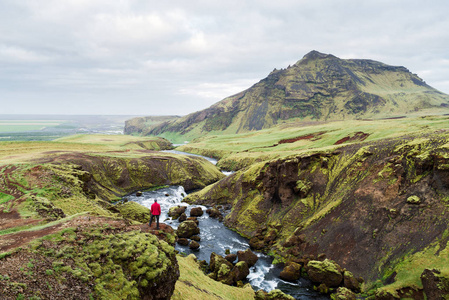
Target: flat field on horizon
{"type": "Point", "coordinates": [50, 127]}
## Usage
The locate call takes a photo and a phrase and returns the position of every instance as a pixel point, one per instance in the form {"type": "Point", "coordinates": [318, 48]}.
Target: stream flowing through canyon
{"type": "Point", "coordinates": [215, 237]}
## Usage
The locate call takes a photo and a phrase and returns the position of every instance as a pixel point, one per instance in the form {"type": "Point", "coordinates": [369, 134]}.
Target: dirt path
{"type": "Point", "coordinates": [14, 240]}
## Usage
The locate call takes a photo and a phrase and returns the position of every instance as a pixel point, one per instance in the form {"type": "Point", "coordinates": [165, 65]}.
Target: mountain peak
{"type": "Point", "coordinates": [315, 55]}
{"type": "Point", "coordinates": [319, 87]}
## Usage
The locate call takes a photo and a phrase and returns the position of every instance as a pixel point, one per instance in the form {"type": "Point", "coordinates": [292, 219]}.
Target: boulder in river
{"type": "Point", "coordinates": [183, 241]}
{"type": "Point", "coordinates": [220, 268]}
{"type": "Point", "coordinates": [326, 272]}
{"type": "Point", "coordinates": [195, 238]}
{"type": "Point", "coordinates": [182, 217]}
{"type": "Point", "coordinates": [195, 219]}
{"type": "Point", "coordinates": [138, 193]}
{"type": "Point", "coordinates": [194, 245]}
{"type": "Point", "coordinates": [187, 228]}
{"type": "Point", "coordinates": [240, 271]}
{"type": "Point", "coordinates": [231, 257]}
{"type": "Point", "coordinates": [175, 211]}
{"type": "Point", "coordinates": [247, 256]}
{"type": "Point", "coordinates": [196, 212]}
{"type": "Point", "coordinates": [291, 272]}
{"type": "Point", "coordinates": [214, 213]}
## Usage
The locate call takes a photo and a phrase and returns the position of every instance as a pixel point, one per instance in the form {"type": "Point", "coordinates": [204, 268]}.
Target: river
{"type": "Point", "coordinates": [215, 237]}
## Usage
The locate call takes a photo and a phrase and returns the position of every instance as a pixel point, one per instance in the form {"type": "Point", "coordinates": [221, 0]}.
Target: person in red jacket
{"type": "Point", "coordinates": [155, 212]}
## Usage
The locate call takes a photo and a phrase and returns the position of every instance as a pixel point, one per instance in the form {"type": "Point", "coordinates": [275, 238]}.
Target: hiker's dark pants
{"type": "Point", "coordinates": [157, 220]}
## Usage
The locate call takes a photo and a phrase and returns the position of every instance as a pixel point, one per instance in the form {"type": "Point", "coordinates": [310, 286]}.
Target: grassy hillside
{"type": "Point", "coordinates": [319, 87]}
{"type": "Point", "coordinates": [241, 150]}
{"type": "Point", "coordinates": [194, 284]}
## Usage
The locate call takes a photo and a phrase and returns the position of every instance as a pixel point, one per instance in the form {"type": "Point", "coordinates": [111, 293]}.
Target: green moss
{"type": "Point", "coordinates": [413, 200]}
{"type": "Point", "coordinates": [120, 264]}
{"type": "Point", "coordinates": [134, 211]}
{"type": "Point", "coordinates": [194, 284]}
{"type": "Point", "coordinates": [4, 254]}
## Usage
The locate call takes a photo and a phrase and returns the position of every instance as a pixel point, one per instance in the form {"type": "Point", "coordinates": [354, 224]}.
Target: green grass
{"type": "Point", "coordinates": [27, 125]}
{"type": "Point", "coordinates": [5, 198]}
{"type": "Point", "coordinates": [23, 151]}
{"type": "Point", "coordinates": [264, 144]}
{"type": "Point", "coordinates": [194, 284]}
{"type": "Point", "coordinates": [410, 269]}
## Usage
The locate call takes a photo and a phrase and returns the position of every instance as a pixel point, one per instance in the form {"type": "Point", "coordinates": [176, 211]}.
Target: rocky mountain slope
{"type": "Point", "coordinates": [318, 87]}
{"type": "Point", "coordinates": [378, 208]}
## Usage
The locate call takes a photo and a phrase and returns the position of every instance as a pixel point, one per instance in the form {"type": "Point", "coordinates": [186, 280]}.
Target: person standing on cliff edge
{"type": "Point", "coordinates": [155, 212]}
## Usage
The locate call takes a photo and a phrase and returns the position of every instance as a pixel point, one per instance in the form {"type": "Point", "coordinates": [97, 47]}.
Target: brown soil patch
{"type": "Point", "coordinates": [24, 273]}
{"type": "Point", "coordinates": [12, 219]}
{"type": "Point", "coordinates": [14, 240]}
{"type": "Point", "coordinates": [358, 136]}
{"type": "Point", "coordinates": [303, 137]}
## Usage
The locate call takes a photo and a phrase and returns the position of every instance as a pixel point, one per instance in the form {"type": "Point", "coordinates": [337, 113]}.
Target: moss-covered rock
{"type": "Point", "coordinates": [187, 229]}
{"type": "Point", "coordinates": [128, 265]}
{"type": "Point", "coordinates": [277, 294]}
{"type": "Point", "coordinates": [247, 256]}
{"type": "Point", "coordinates": [175, 211]}
{"type": "Point", "coordinates": [343, 293]}
{"type": "Point", "coordinates": [350, 282]}
{"type": "Point", "coordinates": [196, 212]}
{"type": "Point", "coordinates": [291, 272]}
{"type": "Point", "coordinates": [134, 211]}
{"type": "Point", "coordinates": [194, 245]}
{"type": "Point", "coordinates": [326, 272]}
{"type": "Point", "coordinates": [240, 271]}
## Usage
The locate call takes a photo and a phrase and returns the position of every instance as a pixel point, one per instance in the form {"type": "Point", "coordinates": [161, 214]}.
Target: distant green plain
{"type": "Point", "coordinates": [27, 125]}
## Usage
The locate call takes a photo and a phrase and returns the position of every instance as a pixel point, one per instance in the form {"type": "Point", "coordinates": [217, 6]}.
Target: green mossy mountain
{"type": "Point", "coordinates": [318, 87]}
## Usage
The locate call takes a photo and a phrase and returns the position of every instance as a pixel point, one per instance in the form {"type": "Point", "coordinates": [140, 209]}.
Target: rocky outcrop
{"type": "Point", "coordinates": [101, 257]}
{"type": "Point", "coordinates": [110, 177]}
{"type": "Point", "coordinates": [434, 284]}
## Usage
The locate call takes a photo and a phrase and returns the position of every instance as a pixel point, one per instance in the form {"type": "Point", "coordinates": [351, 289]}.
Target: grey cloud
{"type": "Point", "coordinates": [175, 57]}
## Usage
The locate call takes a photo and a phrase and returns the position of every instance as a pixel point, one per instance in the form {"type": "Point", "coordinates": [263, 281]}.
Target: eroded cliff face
{"type": "Point", "coordinates": [110, 177]}
{"type": "Point", "coordinates": [369, 206]}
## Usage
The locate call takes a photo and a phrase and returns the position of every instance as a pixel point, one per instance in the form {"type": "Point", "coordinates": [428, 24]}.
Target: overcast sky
{"type": "Point", "coordinates": [147, 57]}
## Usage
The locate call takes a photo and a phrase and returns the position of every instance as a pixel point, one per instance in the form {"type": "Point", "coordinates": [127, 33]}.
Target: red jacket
{"type": "Point", "coordinates": [155, 209]}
